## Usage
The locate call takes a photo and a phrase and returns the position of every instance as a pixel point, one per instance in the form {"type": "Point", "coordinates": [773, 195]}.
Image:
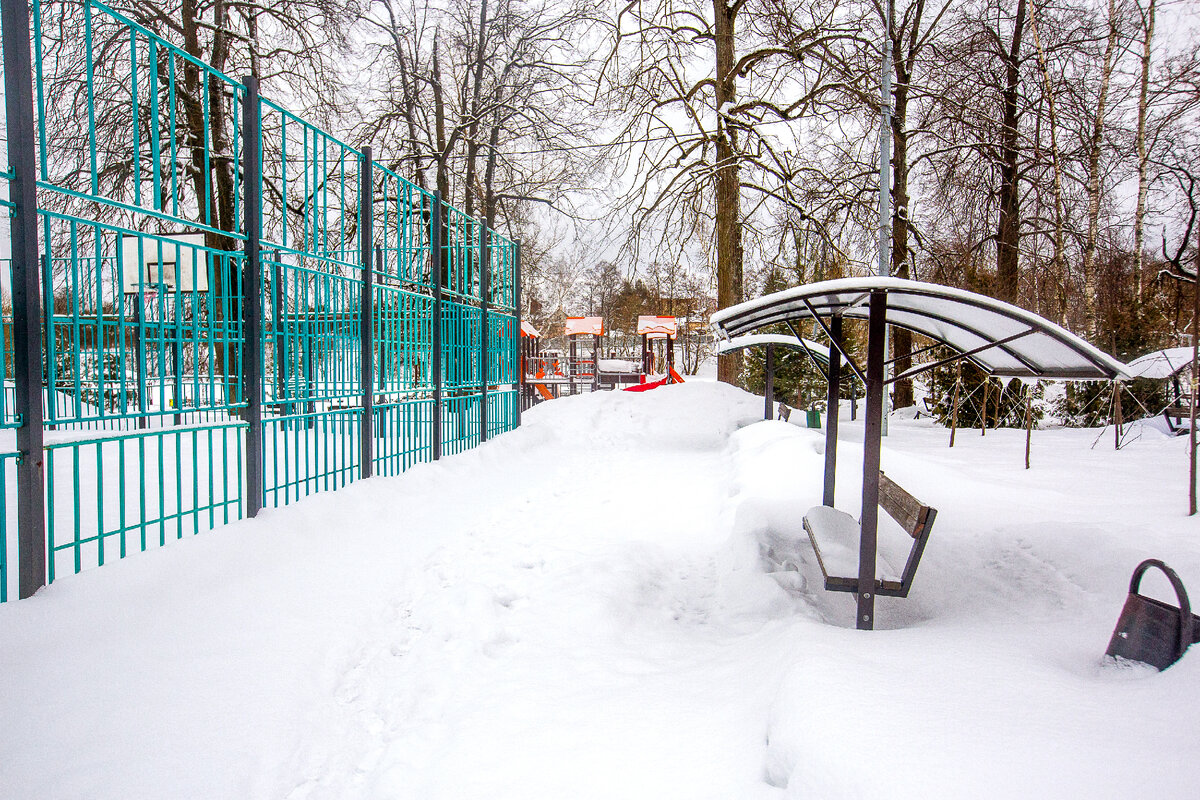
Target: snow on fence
{"type": "Point", "coordinates": [216, 306]}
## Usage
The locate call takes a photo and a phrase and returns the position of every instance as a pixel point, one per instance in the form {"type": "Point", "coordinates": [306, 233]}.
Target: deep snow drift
{"type": "Point", "coordinates": [579, 609]}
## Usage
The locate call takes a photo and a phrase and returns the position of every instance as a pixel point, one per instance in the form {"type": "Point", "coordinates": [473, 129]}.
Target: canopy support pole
{"type": "Point", "coordinates": [872, 442]}
{"type": "Point", "coordinates": [1028, 421]}
{"type": "Point", "coordinates": [769, 394]}
{"type": "Point", "coordinates": [831, 411]}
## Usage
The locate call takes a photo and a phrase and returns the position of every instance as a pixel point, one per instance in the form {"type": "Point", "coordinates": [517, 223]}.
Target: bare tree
{"type": "Point", "coordinates": [702, 90]}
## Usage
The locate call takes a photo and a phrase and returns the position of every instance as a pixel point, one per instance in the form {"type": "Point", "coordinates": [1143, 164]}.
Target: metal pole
{"type": "Point", "coordinates": [1028, 421]}
{"type": "Point", "coordinates": [869, 522]}
{"type": "Point", "coordinates": [769, 394]}
{"type": "Point", "coordinates": [885, 170]}
{"type": "Point", "coordinates": [987, 386]}
{"type": "Point", "coordinates": [573, 361]}
{"type": "Point", "coordinates": [485, 288]}
{"type": "Point", "coordinates": [366, 316]}
{"type": "Point", "coordinates": [954, 402]}
{"type": "Point", "coordinates": [26, 298]}
{"type": "Point", "coordinates": [437, 252]}
{"type": "Point", "coordinates": [831, 412]}
{"type": "Point", "coordinates": [251, 283]}
{"type": "Point", "coordinates": [1118, 416]}
{"type": "Point", "coordinates": [520, 360]}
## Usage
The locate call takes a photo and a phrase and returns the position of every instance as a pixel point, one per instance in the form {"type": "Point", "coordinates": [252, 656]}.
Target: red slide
{"type": "Point", "coordinates": [671, 377]}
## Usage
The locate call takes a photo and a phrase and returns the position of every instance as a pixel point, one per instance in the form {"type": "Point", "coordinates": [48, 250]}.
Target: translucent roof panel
{"type": "Point", "coordinates": [1161, 363]}
{"type": "Point", "coordinates": [592, 326]}
{"type": "Point", "coordinates": [1001, 338]}
{"type": "Point", "coordinates": [820, 351]}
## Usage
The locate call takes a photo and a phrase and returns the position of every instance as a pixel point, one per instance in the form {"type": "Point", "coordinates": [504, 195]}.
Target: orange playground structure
{"type": "Point", "coordinates": [545, 372]}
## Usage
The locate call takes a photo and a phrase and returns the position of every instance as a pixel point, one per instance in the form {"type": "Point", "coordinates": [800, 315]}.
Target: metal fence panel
{"type": "Point", "coordinates": [160, 344]}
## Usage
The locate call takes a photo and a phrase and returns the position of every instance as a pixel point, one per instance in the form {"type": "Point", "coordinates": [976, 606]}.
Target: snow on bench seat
{"type": "Point", "coordinates": [835, 539]}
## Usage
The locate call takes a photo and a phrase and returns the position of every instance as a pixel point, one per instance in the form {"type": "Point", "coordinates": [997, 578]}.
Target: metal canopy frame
{"type": "Point", "coordinates": [821, 361]}
{"type": "Point", "coordinates": [949, 317]}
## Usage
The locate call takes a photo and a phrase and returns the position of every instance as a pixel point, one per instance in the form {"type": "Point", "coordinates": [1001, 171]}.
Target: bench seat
{"type": "Point", "coordinates": [835, 538]}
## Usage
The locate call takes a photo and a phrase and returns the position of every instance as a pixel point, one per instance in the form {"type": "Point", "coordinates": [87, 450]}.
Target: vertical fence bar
{"type": "Point", "coordinates": [485, 279]}
{"type": "Point", "coordinates": [437, 264]}
{"type": "Point", "coordinates": [518, 362]}
{"type": "Point", "coordinates": [251, 285]}
{"type": "Point", "coordinates": [26, 293]}
{"type": "Point", "coordinates": [366, 312]}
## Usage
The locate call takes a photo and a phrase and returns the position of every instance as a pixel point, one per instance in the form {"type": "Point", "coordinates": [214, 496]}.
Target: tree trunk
{"type": "Point", "coordinates": [901, 338]}
{"type": "Point", "coordinates": [472, 143]}
{"type": "Point", "coordinates": [439, 121]}
{"type": "Point", "coordinates": [728, 184]}
{"type": "Point", "coordinates": [1008, 232]}
{"type": "Point", "coordinates": [1139, 232]}
{"type": "Point", "coordinates": [1059, 261]}
{"type": "Point", "coordinates": [1096, 140]}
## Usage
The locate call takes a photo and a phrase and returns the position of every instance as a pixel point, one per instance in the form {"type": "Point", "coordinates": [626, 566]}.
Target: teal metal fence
{"type": "Point", "coordinates": [220, 305]}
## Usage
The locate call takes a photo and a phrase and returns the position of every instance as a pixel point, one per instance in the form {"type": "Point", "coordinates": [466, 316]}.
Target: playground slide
{"type": "Point", "coordinates": [671, 377]}
{"type": "Point", "coordinates": [645, 387]}
{"type": "Point", "coordinates": [543, 391]}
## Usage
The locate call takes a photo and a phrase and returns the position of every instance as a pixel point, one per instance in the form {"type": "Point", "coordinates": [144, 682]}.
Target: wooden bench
{"type": "Point", "coordinates": [842, 531]}
{"type": "Point", "coordinates": [1176, 417]}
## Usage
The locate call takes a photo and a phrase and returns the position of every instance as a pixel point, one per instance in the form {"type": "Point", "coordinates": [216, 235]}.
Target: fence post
{"type": "Point", "coordinates": [518, 365]}
{"type": "Point", "coordinates": [485, 288]}
{"type": "Point", "coordinates": [251, 284]}
{"type": "Point", "coordinates": [437, 253]}
{"type": "Point", "coordinates": [366, 313]}
{"type": "Point", "coordinates": [26, 298]}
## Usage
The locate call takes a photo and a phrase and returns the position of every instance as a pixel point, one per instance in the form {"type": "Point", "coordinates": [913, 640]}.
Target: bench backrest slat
{"type": "Point", "coordinates": [902, 506]}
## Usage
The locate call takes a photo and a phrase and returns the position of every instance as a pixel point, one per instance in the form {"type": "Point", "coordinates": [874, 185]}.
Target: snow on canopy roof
{"type": "Point", "coordinates": [657, 327]}
{"type": "Point", "coordinates": [1024, 344]}
{"type": "Point", "coordinates": [820, 351]}
{"type": "Point", "coordinates": [593, 326]}
{"type": "Point", "coordinates": [529, 330]}
{"type": "Point", "coordinates": [1161, 363]}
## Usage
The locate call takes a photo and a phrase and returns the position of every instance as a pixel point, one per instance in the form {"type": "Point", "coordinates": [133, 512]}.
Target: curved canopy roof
{"type": "Point", "coordinates": [1001, 338]}
{"type": "Point", "coordinates": [529, 330]}
{"type": "Point", "coordinates": [593, 326]}
{"type": "Point", "coordinates": [819, 351]}
{"type": "Point", "coordinates": [1161, 363]}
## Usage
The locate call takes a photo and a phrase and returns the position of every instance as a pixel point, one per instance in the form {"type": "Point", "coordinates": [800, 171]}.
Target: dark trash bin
{"type": "Point", "coordinates": [1150, 630]}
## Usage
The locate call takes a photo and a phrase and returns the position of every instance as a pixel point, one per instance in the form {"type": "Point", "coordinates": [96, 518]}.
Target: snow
{"type": "Point", "coordinates": [580, 609]}
{"type": "Point", "coordinates": [618, 365]}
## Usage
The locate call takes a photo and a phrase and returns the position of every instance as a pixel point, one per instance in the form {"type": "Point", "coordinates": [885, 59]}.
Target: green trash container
{"type": "Point", "coordinates": [814, 418]}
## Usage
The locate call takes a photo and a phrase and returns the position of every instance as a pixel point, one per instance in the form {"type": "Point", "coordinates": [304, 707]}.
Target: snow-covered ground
{"type": "Point", "coordinates": [579, 609]}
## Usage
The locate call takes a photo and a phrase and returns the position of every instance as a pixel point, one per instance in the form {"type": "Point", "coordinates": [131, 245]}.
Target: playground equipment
{"type": "Point", "coordinates": [534, 365]}
{"type": "Point", "coordinates": [656, 359]}
{"type": "Point", "coordinates": [545, 372]}
{"type": "Point", "coordinates": [1001, 338]}
{"type": "Point", "coordinates": [582, 367]}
